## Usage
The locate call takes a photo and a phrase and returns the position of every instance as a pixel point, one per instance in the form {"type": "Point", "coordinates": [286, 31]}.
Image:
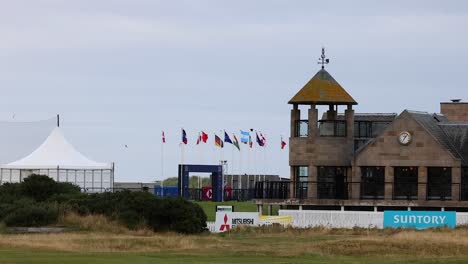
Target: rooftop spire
{"type": "Point", "coordinates": [322, 59]}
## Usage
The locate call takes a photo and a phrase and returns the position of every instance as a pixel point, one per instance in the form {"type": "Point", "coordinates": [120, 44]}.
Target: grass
{"type": "Point", "coordinates": [244, 245]}
{"type": "Point", "coordinates": [210, 208]}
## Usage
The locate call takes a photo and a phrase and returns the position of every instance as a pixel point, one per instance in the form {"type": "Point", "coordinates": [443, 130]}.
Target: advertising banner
{"type": "Point", "coordinates": [419, 219]}
{"type": "Point", "coordinates": [226, 221]}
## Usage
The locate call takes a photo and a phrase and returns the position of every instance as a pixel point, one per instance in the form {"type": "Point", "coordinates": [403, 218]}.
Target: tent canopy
{"type": "Point", "coordinates": [57, 152]}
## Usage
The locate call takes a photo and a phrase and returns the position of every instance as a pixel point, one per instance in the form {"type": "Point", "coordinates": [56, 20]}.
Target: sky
{"type": "Point", "coordinates": [119, 72]}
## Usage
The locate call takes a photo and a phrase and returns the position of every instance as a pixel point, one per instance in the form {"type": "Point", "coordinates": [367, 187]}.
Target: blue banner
{"type": "Point", "coordinates": [419, 219]}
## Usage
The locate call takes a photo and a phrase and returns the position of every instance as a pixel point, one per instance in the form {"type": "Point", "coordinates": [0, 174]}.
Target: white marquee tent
{"type": "Point", "coordinates": [58, 159]}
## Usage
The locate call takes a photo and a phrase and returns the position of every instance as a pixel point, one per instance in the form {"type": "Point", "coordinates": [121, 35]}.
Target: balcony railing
{"type": "Point", "coordinates": [341, 191]}
{"type": "Point", "coordinates": [332, 128]}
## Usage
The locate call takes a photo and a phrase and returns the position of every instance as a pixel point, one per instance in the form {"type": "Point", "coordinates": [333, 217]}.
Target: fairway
{"type": "Point", "coordinates": [210, 208]}
{"type": "Point", "coordinates": [262, 245]}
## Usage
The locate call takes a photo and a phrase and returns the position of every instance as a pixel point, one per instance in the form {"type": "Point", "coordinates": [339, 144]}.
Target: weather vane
{"type": "Point", "coordinates": [323, 60]}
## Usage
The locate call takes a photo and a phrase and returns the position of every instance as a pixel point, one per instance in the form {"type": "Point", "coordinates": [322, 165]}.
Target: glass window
{"type": "Point", "coordinates": [302, 128]}
{"type": "Point", "coordinates": [372, 182]}
{"type": "Point", "coordinates": [331, 128]}
{"type": "Point", "coordinates": [301, 176]}
{"type": "Point", "coordinates": [332, 183]}
{"type": "Point", "coordinates": [464, 185]}
{"type": "Point", "coordinates": [405, 186]}
{"type": "Point", "coordinates": [439, 183]}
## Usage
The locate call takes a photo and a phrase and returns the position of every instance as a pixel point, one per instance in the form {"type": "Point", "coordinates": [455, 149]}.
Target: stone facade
{"type": "Point", "coordinates": [424, 151]}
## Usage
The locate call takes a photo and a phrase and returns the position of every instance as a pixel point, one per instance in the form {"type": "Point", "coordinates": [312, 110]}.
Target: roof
{"type": "Point", "coordinates": [55, 152]}
{"type": "Point", "coordinates": [431, 123]}
{"type": "Point", "coordinates": [369, 117]}
{"type": "Point", "coordinates": [458, 135]}
{"type": "Point", "coordinates": [322, 89]}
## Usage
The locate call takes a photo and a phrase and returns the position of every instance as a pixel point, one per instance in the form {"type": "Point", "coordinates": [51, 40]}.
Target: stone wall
{"type": "Point", "coordinates": [457, 112]}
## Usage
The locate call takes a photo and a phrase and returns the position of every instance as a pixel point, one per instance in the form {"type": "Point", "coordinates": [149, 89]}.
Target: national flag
{"type": "Point", "coordinates": [236, 142]}
{"type": "Point", "coordinates": [218, 141]}
{"type": "Point", "coordinates": [263, 139]}
{"type": "Point", "coordinates": [245, 135]}
{"type": "Point", "coordinates": [204, 137]}
{"type": "Point", "coordinates": [184, 137]}
{"type": "Point", "coordinates": [163, 137]}
{"type": "Point", "coordinates": [283, 143]}
{"type": "Point", "coordinates": [259, 141]}
{"type": "Point", "coordinates": [227, 139]}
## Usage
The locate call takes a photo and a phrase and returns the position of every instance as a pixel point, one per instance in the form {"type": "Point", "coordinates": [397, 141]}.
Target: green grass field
{"type": "Point", "coordinates": [27, 257]}
{"type": "Point", "coordinates": [210, 208]}
{"type": "Point", "coordinates": [262, 245]}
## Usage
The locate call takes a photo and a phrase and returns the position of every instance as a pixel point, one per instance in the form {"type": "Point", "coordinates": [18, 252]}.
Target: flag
{"type": "Point", "coordinates": [236, 142]}
{"type": "Point", "coordinates": [227, 139]}
{"type": "Point", "coordinates": [263, 139]}
{"type": "Point", "coordinates": [218, 141]}
{"type": "Point", "coordinates": [198, 139]}
{"type": "Point", "coordinates": [259, 141]}
{"type": "Point", "coordinates": [283, 143]}
{"type": "Point", "coordinates": [163, 137]}
{"type": "Point", "coordinates": [184, 137]}
{"type": "Point", "coordinates": [245, 135]}
{"type": "Point", "coordinates": [204, 137]}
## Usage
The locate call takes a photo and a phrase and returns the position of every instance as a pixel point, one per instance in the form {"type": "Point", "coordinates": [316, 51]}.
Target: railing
{"type": "Point", "coordinates": [302, 128]}
{"type": "Point", "coordinates": [342, 191]}
{"type": "Point", "coordinates": [439, 191]}
{"type": "Point", "coordinates": [101, 190]}
{"type": "Point", "coordinates": [372, 190]}
{"type": "Point", "coordinates": [332, 128]}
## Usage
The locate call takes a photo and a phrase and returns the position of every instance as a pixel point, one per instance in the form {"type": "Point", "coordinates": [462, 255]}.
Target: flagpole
{"type": "Point", "coordinates": [162, 165]}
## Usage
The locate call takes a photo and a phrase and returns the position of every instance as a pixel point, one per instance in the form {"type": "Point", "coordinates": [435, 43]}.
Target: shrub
{"type": "Point", "coordinates": [32, 215]}
{"type": "Point", "coordinates": [41, 188]}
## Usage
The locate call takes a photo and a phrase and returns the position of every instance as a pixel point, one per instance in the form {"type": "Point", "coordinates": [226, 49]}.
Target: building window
{"type": "Point", "coordinates": [302, 128]}
{"type": "Point", "coordinates": [368, 129]}
{"type": "Point", "coordinates": [372, 182]}
{"type": "Point", "coordinates": [332, 183]}
{"type": "Point", "coordinates": [301, 176]}
{"type": "Point", "coordinates": [332, 128]}
{"type": "Point", "coordinates": [439, 183]}
{"type": "Point", "coordinates": [405, 186]}
{"type": "Point", "coordinates": [464, 185]}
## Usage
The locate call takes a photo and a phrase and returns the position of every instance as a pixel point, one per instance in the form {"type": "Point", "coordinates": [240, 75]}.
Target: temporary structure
{"type": "Point", "coordinates": [58, 159]}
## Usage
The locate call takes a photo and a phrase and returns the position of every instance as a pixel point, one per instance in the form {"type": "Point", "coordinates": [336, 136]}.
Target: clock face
{"type": "Point", "coordinates": [405, 138]}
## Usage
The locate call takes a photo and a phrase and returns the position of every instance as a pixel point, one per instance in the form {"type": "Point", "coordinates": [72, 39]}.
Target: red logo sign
{"type": "Point", "coordinates": [226, 226]}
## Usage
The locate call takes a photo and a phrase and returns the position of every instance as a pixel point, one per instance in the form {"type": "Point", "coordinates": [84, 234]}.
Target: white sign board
{"type": "Point", "coordinates": [226, 221]}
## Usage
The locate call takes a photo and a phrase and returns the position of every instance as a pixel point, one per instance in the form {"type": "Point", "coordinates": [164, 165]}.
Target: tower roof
{"type": "Point", "coordinates": [322, 89]}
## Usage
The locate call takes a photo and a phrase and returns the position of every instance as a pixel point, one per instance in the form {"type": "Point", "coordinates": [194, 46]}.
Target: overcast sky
{"type": "Point", "coordinates": [119, 72]}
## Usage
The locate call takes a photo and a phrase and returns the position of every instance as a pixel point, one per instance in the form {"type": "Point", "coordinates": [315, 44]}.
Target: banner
{"type": "Point", "coordinates": [419, 219]}
{"type": "Point", "coordinates": [276, 219]}
{"type": "Point", "coordinates": [226, 221]}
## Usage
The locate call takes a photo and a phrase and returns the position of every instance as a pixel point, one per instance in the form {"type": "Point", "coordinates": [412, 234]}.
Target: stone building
{"type": "Point", "coordinates": [371, 161]}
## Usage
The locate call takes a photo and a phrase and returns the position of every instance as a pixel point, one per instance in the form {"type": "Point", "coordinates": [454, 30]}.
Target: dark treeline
{"type": "Point", "coordinates": [40, 201]}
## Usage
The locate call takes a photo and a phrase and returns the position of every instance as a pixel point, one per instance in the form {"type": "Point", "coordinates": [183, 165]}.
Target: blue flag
{"type": "Point", "coordinates": [245, 137]}
{"type": "Point", "coordinates": [227, 139]}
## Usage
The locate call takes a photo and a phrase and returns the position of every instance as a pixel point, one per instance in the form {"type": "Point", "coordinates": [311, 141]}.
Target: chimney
{"type": "Point", "coordinates": [455, 110]}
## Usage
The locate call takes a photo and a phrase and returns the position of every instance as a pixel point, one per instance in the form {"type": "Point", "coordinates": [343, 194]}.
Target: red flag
{"type": "Point", "coordinates": [204, 137]}
{"type": "Point", "coordinates": [283, 143]}
{"type": "Point", "coordinates": [163, 137]}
